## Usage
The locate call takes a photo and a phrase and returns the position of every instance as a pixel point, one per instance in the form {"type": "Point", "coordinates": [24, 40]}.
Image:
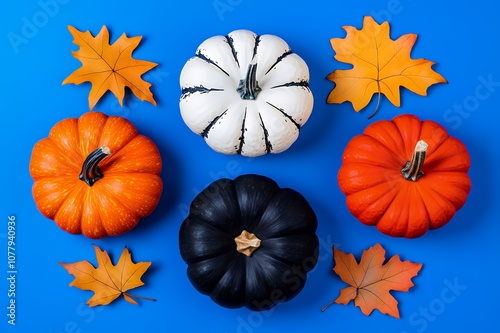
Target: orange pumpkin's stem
{"type": "Point", "coordinates": [413, 169]}
{"type": "Point", "coordinates": [90, 170]}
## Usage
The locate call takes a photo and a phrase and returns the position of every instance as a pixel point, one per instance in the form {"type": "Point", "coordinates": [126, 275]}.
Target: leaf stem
{"type": "Point", "coordinates": [327, 306]}
{"type": "Point", "coordinates": [378, 104]}
{"type": "Point", "coordinates": [140, 297]}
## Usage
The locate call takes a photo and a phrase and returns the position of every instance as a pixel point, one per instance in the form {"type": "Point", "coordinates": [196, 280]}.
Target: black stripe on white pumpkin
{"type": "Point", "coordinates": [286, 115]}
{"type": "Point", "coordinates": [280, 58]}
{"type": "Point", "coordinates": [210, 61]}
{"type": "Point", "coordinates": [230, 42]}
{"type": "Point", "coordinates": [187, 91]}
{"type": "Point", "coordinates": [207, 129]}
{"type": "Point", "coordinates": [304, 84]}
{"type": "Point", "coordinates": [243, 130]}
{"type": "Point", "coordinates": [269, 146]}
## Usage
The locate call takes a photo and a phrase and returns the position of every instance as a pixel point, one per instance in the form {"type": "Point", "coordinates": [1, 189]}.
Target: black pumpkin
{"type": "Point", "coordinates": [248, 242]}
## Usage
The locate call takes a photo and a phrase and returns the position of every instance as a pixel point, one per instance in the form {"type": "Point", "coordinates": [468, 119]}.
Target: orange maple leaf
{"type": "Point", "coordinates": [108, 281]}
{"type": "Point", "coordinates": [109, 67]}
{"type": "Point", "coordinates": [380, 66]}
{"type": "Point", "coordinates": [371, 280]}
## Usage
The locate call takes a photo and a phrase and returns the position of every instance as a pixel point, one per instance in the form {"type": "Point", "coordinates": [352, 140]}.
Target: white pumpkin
{"type": "Point", "coordinates": [246, 94]}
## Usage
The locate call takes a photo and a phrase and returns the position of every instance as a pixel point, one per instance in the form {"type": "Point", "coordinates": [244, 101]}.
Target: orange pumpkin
{"type": "Point", "coordinates": [405, 176]}
{"type": "Point", "coordinates": [95, 175]}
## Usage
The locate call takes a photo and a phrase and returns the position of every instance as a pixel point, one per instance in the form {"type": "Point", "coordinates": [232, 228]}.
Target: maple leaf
{"type": "Point", "coordinates": [109, 67]}
{"type": "Point", "coordinates": [108, 281]}
{"type": "Point", "coordinates": [380, 66]}
{"type": "Point", "coordinates": [371, 280]}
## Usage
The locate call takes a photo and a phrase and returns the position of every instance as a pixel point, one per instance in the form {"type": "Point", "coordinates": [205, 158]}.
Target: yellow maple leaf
{"type": "Point", "coordinates": [380, 66]}
{"type": "Point", "coordinates": [108, 281]}
{"type": "Point", "coordinates": [109, 67]}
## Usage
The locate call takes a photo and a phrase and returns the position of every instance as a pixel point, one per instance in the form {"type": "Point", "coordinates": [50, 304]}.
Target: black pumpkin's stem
{"type": "Point", "coordinates": [90, 170]}
{"type": "Point", "coordinates": [249, 87]}
{"type": "Point", "coordinates": [413, 169]}
{"type": "Point", "coordinates": [247, 243]}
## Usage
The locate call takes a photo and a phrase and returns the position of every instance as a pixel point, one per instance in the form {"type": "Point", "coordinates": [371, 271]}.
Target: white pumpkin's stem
{"type": "Point", "coordinates": [248, 87]}
{"type": "Point", "coordinates": [413, 169]}
{"type": "Point", "coordinates": [247, 243]}
{"type": "Point", "coordinates": [90, 170]}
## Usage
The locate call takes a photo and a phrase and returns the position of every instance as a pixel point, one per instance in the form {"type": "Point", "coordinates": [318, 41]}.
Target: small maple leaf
{"type": "Point", "coordinates": [109, 67]}
{"type": "Point", "coordinates": [371, 280]}
{"type": "Point", "coordinates": [108, 281]}
{"type": "Point", "coordinates": [380, 66]}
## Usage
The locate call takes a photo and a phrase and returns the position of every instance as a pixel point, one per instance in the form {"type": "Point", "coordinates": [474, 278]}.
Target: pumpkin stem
{"type": "Point", "coordinates": [249, 87]}
{"type": "Point", "coordinates": [247, 243]}
{"type": "Point", "coordinates": [90, 170]}
{"type": "Point", "coordinates": [413, 169]}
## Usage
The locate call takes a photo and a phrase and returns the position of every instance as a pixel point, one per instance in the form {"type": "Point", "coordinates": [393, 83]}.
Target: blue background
{"type": "Point", "coordinates": [461, 39]}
